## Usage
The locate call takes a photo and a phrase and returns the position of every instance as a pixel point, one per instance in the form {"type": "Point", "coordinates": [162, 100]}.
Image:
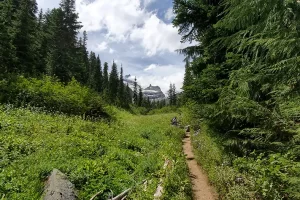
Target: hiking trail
{"type": "Point", "coordinates": [202, 190]}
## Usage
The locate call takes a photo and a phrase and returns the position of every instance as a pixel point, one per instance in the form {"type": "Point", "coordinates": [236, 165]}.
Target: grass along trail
{"type": "Point", "coordinates": [201, 187]}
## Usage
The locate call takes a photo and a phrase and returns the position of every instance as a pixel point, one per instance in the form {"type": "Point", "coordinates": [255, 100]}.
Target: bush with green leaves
{"type": "Point", "coordinates": [52, 95]}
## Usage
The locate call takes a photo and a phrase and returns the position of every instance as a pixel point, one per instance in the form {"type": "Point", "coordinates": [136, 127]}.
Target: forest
{"type": "Point", "coordinates": [37, 44]}
{"type": "Point", "coordinates": [62, 107]}
{"type": "Point", "coordinates": [242, 82]}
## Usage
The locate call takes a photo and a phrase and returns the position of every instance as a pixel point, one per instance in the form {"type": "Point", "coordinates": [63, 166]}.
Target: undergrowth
{"type": "Point", "coordinates": [94, 155]}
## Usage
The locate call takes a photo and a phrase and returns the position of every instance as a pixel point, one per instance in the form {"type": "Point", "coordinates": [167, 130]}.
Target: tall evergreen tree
{"type": "Point", "coordinates": [98, 75]}
{"type": "Point", "coordinates": [113, 84]}
{"type": "Point", "coordinates": [174, 95]}
{"type": "Point", "coordinates": [170, 94]}
{"type": "Point", "coordinates": [7, 50]}
{"type": "Point", "coordinates": [25, 38]}
{"type": "Point", "coordinates": [128, 96]}
{"type": "Point", "coordinates": [121, 89]}
{"type": "Point", "coordinates": [105, 77]}
{"type": "Point", "coordinates": [135, 93]}
{"type": "Point", "coordinates": [92, 70]}
{"type": "Point", "coordinates": [140, 97]}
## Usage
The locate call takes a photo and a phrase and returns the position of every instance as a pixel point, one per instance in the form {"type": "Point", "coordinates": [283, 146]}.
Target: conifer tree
{"type": "Point", "coordinates": [140, 97]}
{"type": "Point", "coordinates": [98, 75]}
{"type": "Point", "coordinates": [92, 70]}
{"type": "Point", "coordinates": [105, 77]}
{"type": "Point", "coordinates": [25, 23]}
{"type": "Point", "coordinates": [188, 79]}
{"type": "Point", "coordinates": [135, 93]}
{"type": "Point", "coordinates": [128, 96]}
{"type": "Point", "coordinates": [121, 90]}
{"type": "Point", "coordinates": [174, 95]}
{"type": "Point", "coordinates": [113, 84]}
{"type": "Point", "coordinates": [170, 94]}
{"type": "Point", "coordinates": [7, 50]}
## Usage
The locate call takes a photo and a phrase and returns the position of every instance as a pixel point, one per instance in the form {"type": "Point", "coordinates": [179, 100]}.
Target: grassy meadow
{"type": "Point", "coordinates": [96, 156]}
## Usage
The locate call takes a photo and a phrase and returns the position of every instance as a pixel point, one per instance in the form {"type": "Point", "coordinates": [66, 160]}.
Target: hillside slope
{"type": "Point", "coordinates": [94, 155]}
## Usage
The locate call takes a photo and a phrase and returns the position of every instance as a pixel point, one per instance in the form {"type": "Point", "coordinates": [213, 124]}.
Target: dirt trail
{"type": "Point", "coordinates": [201, 188]}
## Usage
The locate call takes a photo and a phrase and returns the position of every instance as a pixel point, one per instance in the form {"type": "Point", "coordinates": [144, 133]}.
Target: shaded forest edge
{"type": "Point", "coordinates": [46, 47]}
{"type": "Point", "coordinates": [241, 89]}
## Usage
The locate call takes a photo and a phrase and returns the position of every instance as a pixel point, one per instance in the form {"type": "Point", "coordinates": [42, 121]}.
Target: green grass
{"type": "Point", "coordinates": [218, 166]}
{"type": "Point", "coordinates": [94, 155]}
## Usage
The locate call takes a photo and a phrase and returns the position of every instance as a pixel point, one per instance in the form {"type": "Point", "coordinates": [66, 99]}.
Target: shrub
{"type": "Point", "coordinates": [51, 95]}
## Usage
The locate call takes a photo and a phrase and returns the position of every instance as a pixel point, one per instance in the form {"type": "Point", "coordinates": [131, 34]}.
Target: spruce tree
{"type": "Point", "coordinates": [140, 97]}
{"type": "Point", "coordinates": [121, 90]}
{"type": "Point", "coordinates": [105, 77]}
{"type": "Point", "coordinates": [98, 75]}
{"type": "Point", "coordinates": [25, 23]}
{"type": "Point", "coordinates": [135, 93]}
{"type": "Point", "coordinates": [113, 84]}
{"type": "Point", "coordinates": [170, 94]}
{"type": "Point", "coordinates": [92, 70]}
{"type": "Point", "coordinates": [7, 50]}
{"type": "Point", "coordinates": [128, 96]}
{"type": "Point", "coordinates": [174, 95]}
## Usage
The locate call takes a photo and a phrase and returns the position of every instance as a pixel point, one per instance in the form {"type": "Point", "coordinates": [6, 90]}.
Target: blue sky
{"type": "Point", "coordinates": [135, 33]}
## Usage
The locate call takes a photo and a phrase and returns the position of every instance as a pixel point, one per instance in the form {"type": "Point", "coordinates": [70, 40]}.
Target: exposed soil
{"type": "Point", "coordinates": [202, 190]}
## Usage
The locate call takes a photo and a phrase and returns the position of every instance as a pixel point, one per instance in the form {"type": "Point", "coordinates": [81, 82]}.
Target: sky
{"type": "Point", "coordinates": [137, 34]}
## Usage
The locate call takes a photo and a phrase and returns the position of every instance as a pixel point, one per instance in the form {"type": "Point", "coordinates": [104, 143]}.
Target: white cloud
{"type": "Point", "coordinates": [156, 36]}
{"type": "Point", "coordinates": [148, 2]}
{"type": "Point", "coordinates": [111, 51]}
{"type": "Point", "coordinates": [101, 47]}
{"type": "Point", "coordinates": [116, 17]}
{"type": "Point", "coordinates": [152, 66]}
{"type": "Point", "coordinates": [127, 20]}
{"type": "Point", "coordinates": [169, 14]}
{"type": "Point", "coordinates": [162, 76]}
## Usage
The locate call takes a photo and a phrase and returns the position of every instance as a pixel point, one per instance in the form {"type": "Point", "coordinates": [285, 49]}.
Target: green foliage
{"type": "Point", "coordinates": [51, 95]}
{"type": "Point", "coordinates": [95, 156]}
{"type": "Point", "coordinates": [245, 83]}
{"type": "Point", "coordinates": [277, 176]}
{"type": "Point", "coordinates": [166, 109]}
{"type": "Point", "coordinates": [210, 154]}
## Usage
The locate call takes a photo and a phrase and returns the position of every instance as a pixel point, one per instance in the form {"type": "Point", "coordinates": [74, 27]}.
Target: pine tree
{"type": "Point", "coordinates": [92, 70]}
{"type": "Point", "coordinates": [121, 90]}
{"type": "Point", "coordinates": [113, 84]}
{"type": "Point", "coordinates": [128, 96]}
{"type": "Point", "coordinates": [25, 23]}
{"type": "Point", "coordinates": [170, 94]}
{"type": "Point", "coordinates": [188, 79]}
{"type": "Point", "coordinates": [57, 56]}
{"type": "Point", "coordinates": [98, 75]}
{"type": "Point", "coordinates": [105, 77]}
{"type": "Point", "coordinates": [140, 97]}
{"type": "Point", "coordinates": [174, 95]}
{"type": "Point", "coordinates": [7, 50]}
{"type": "Point", "coordinates": [135, 93]}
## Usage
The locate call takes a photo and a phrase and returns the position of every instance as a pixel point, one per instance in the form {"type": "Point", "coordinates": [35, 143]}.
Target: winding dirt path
{"type": "Point", "coordinates": [201, 188]}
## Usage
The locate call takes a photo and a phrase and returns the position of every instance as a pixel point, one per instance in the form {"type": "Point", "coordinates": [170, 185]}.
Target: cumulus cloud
{"type": "Point", "coordinates": [102, 46]}
{"type": "Point", "coordinates": [111, 51]}
{"type": "Point", "coordinates": [162, 76]}
{"type": "Point", "coordinates": [169, 14]}
{"type": "Point", "coordinates": [127, 20]}
{"type": "Point", "coordinates": [114, 16]}
{"type": "Point", "coordinates": [156, 36]}
{"type": "Point", "coordinates": [148, 2]}
{"type": "Point", "coordinates": [152, 66]}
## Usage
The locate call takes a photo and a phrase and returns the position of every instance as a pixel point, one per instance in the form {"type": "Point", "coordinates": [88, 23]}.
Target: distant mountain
{"type": "Point", "coordinates": [153, 92]}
